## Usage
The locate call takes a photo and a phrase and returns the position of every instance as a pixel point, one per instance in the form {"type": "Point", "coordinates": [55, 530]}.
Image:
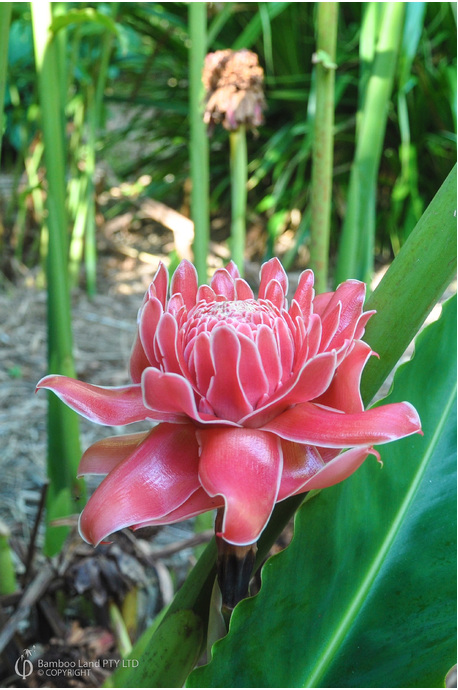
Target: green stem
{"type": "Point", "coordinates": [94, 115]}
{"type": "Point", "coordinates": [239, 178]}
{"type": "Point", "coordinates": [323, 141]}
{"type": "Point", "coordinates": [357, 240]}
{"type": "Point", "coordinates": [198, 149]}
{"type": "Point", "coordinates": [63, 429]}
{"type": "Point", "coordinates": [90, 246]}
{"type": "Point", "coordinates": [5, 19]}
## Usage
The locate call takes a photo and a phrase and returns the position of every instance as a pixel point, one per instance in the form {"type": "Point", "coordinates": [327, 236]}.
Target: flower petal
{"type": "Point", "coordinates": [270, 357]}
{"type": "Point", "coordinates": [251, 373]}
{"type": "Point", "coordinates": [172, 396]}
{"type": "Point", "coordinates": [303, 471]}
{"type": "Point", "coordinates": [150, 317]}
{"type": "Point", "coordinates": [203, 362]}
{"type": "Point", "coordinates": [307, 384]}
{"type": "Point", "coordinates": [223, 284]}
{"type": "Point", "coordinates": [274, 293]}
{"type": "Point", "coordinates": [232, 269]}
{"type": "Point", "coordinates": [138, 360]}
{"type": "Point", "coordinates": [225, 393]}
{"type": "Point", "coordinates": [199, 502]}
{"type": "Point", "coordinates": [300, 463]}
{"type": "Point", "coordinates": [166, 343]}
{"type": "Point", "coordinates": [161, 281]}
{"type": "Point", "coordinates": [344, 392]}
{"type": "Point", "coordinates": [110, 406]}
{"type": "Point", "coordinates": [154, 480]}
{"type": "Point", "coordinates": [205, 293]}
{"type": "Point", "coordinates": [243, 290]}
{"type": "Point", "coordinates": [184, 281]}
{"type": "Point", "coordinates": [305, 293]}
{"type": "Point", "coordinates": [272, 270]}
{"type": "Point", "coordinates": [351, 295]}
{"type": "Point", "coordinates": [316, 425]}
{"type": "Point", "coordinates": [285, 346]}
{"type": "Point", "coordinates": [244, 467]}
{"type": "Point", "coordinates": [104, 455]}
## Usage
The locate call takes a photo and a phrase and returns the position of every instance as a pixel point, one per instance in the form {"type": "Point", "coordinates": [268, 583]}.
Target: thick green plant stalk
{"type": "Point", "coordinates": [198, 148]}
{"type": "Point", "coordinates": [323, 141]}
{"type": "Point", "coordinates": [416, 261]}
{"type": "Point", "coordinates": [239, 177]}
{"type": "Point", "coordinates": [357, 240]}
{"type": "Point", "coordinates": [5, 19]}
{"type": "Point", "coordinates": [65, 493]}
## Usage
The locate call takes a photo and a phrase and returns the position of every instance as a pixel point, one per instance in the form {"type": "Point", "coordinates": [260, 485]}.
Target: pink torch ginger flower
{"type": "Point", "coordinates": [256, 403]}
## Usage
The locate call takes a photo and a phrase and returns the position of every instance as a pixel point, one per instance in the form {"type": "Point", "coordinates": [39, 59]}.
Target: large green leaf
{"type": "Point", "coordinates": [365, 594]}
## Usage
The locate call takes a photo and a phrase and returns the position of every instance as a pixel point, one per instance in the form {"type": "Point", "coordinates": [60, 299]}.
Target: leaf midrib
{"type": "Point", "coordinates": [354, 606]}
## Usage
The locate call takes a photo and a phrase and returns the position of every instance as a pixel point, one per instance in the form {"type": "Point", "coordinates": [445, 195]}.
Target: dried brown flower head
{"type": "Point", "coordinates": [234, 94]}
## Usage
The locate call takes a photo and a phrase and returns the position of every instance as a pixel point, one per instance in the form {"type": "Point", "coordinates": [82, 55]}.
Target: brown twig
{"type": "Point", "coordinates": [31, 595]}
{"type": "Point", "coordinates": [33, 538]}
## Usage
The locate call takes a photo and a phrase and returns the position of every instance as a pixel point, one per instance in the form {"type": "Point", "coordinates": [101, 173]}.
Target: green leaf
{"type": "Point", "coordinates": [421, 272]}
{"type": "Point", "coordinates": [365, 594]}
{"type": "Point", "coordinates": [164, 665]}
{"type": "Point", "coordinates": [254, 28]}
{"type": "Point", "coordinates": [85, 15]}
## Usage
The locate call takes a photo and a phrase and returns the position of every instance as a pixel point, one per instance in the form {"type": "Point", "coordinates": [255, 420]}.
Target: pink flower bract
{"type": "Point", "coordinates": [256, 402]}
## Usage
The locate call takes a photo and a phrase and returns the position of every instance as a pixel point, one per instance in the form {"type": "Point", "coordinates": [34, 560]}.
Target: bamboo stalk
{"type": "Point", "coordinates": [239, 178]}
{"type": "Point", "coordinates": [357, 240]}
{"type": "Point", "coordinates": [322, 157]}
{"type": "Point", "coordinates": [63, 428]}
{"type": "Point", "coordinates": [198, 149]}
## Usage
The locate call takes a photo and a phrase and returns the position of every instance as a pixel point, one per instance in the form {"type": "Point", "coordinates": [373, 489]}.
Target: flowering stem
{"type": "Point", "coordinates": [238, 194]}
{"type": "Point", "coordinates": [323, 144]}
{"type": "Point", "coordinates": [199, 157]}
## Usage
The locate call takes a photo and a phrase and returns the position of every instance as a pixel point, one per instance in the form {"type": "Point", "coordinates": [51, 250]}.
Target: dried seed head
{"type": "Point", "coordinates": [234, 95]}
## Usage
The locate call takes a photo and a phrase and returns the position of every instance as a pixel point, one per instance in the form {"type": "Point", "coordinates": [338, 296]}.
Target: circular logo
{"type": "Point", "coordinates": [23, 667]}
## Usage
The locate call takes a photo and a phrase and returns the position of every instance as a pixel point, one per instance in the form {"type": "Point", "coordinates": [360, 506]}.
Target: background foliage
{"type": "Point", "coordinates": [135, 55]}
